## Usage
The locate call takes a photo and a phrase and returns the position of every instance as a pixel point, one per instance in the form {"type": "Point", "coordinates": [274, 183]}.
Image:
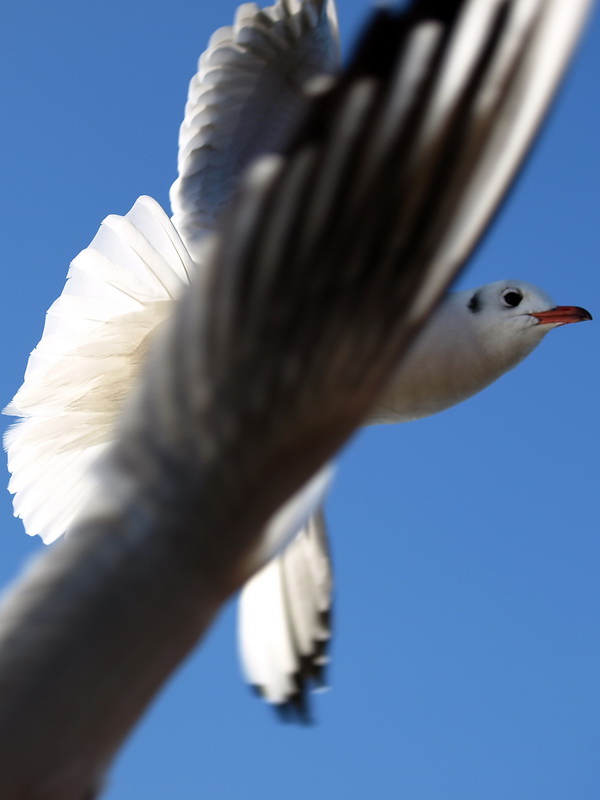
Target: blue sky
{"type": "Point", "coordinates": [466, 546]}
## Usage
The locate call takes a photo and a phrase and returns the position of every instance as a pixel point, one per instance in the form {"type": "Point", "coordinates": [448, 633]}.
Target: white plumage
{"type": "Point", "coordinates": [248, 94]}
{"type": "Point", "coordinates": [118, 291]}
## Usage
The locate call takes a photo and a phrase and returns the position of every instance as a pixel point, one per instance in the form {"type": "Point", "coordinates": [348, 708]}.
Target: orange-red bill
{"type": "Point", "coordinates": [562, 315]}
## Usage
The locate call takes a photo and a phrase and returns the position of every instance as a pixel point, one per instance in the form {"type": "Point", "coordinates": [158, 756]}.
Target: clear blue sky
{"type": "Point", "coordinates": [466, 664]}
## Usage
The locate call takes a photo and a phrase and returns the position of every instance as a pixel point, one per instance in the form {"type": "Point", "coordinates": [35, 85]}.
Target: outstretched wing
{"type": "Point", "coordinates": [246, 98]}
{"type": "Point", "coordinates": [118, 291]}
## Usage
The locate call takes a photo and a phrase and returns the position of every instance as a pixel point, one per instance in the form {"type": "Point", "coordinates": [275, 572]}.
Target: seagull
{"type": "Point", "coordinates": [99, 330]}
{"type": "Point", "coordinates": [181, 495]}
{"type": "Point", "coordinates": [117, 303]}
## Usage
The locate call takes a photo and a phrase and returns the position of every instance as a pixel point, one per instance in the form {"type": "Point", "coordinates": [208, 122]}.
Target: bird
{"type": "Point", "coordinates": [89, 633]}
{"type": "Point", "coordinates": [100, 329]}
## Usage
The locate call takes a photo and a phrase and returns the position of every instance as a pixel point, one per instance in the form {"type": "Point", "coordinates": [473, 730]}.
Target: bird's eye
{"type": "Point", "coordinates": [512, 298]}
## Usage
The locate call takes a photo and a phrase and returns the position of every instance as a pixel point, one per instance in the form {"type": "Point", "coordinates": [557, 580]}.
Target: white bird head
{"type": "Point", "coordinates": [474, 337]}
{"type": "Point", "coordinates": [513, 315]}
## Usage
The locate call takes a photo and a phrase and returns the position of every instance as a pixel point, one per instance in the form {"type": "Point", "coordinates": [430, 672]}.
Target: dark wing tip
{"type": "Point", "coordinates": [376, 51]}
{"type": "Point", "coordinates": [311, 676]}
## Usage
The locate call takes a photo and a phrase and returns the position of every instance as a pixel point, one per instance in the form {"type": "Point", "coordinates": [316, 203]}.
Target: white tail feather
{"type": "Point", "coordinates": [283, 622]}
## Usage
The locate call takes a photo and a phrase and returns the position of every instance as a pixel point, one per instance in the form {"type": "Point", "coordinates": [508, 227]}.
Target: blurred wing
{"type": "Point", "coordinates": [118, 291]}
{"type": "Point", "coordinates": [245, 100]}
{"type": "Point", "coordinates": [529, 43]}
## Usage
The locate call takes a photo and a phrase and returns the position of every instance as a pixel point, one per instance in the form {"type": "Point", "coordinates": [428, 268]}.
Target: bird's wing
{"type": "Point", "coordinates": [529, 43]}
{"type": "Point", "coordinates": [246, 98]}
{"type": "Point", "coordinates": [118, 291]}
{"type": "Point", "coordinates": [284, 621]}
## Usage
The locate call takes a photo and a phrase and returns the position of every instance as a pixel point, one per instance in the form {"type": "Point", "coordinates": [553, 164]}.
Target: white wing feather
{"type": "Point", "coordinates": [118, 291]}
{"type": "Point", "coordinates": [248, 94]}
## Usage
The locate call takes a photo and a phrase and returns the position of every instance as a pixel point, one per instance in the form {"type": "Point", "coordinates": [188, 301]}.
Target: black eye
{"type": "Point", "coordinates": [512, 298]}
{"type": "Point", "coordinates": [474, 303]}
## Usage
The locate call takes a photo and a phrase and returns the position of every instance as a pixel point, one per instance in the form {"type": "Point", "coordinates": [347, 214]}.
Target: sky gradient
{"type": "Point", "coordinates": [466, 661]}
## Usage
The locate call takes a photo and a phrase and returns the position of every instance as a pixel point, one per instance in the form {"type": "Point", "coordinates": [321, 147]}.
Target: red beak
{"type": "Point", "coordinates": [562, 315]}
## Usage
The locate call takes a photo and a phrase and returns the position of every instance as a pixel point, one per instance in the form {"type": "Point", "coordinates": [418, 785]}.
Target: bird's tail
{"type": "Point", "coordinates": [284, 623]}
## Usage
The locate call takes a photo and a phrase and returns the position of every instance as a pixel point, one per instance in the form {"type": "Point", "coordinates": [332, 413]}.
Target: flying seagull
{"type": "Point", "coordinates": [249, 93]}
{"type": "Point", "coordinates": [244, 395]}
